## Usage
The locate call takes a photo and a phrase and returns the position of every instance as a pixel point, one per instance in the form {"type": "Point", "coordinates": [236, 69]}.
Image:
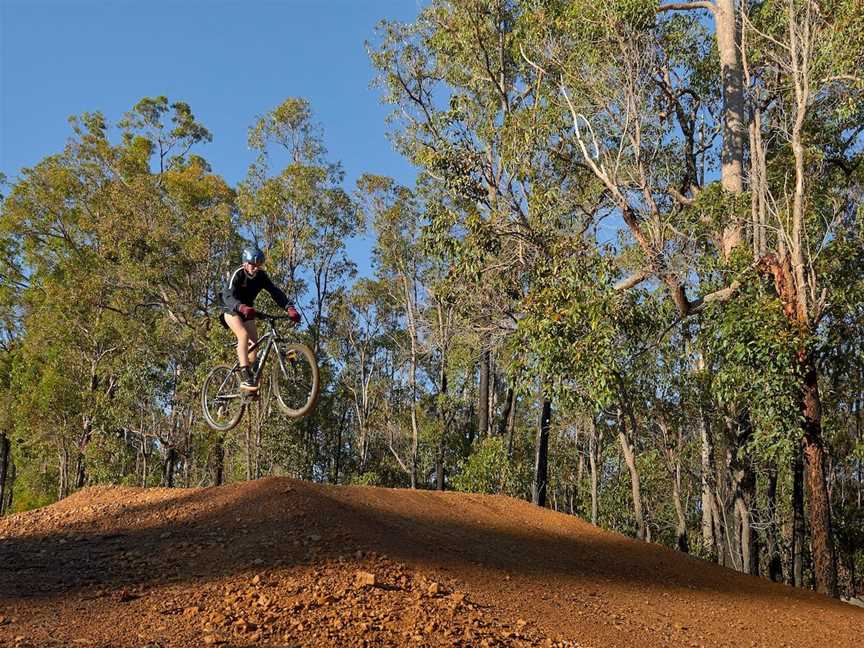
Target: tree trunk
{"type": "Point", "coordinates": [219, 463]}
{"type": "Point", "coordinates": [741, 544]}
{"type": "Point", "coordinates": [63, 485]}
{"type": "Point", "coordinates": [800, 262]}
{"type": "Point", "coordinates": [505, 414]}
{"type": "Point", "coordinates": [170, 463]}
{"type": "Point", "coordinates": [821, 538]}
{"type": "Point", "coordinates": [4, 467]}
{"type": "Point", "coordinates": [143, 462]}
{"type": "Point", "coordinates": [337, 450]}
{"type": "Point", "coordinates": [80, 460]}
{"type": "Point", "coordinates": [775, 565]}
{"type": "Point", "coordinates": [681, 529]}
{"type": "Point", "coordinates": [721, 539]}
{"type": "Point", "coordinates": [580, 475]}
{"type": "Point", "coordinates": [592, 460]}
{"type": "Point", "coordinates": [470, 427]}
{"type": "Point", "coordinates": [794, 305]}
{"type": "Point", "coordinates": [483, 405]}
{"type": "Point", "coordinates": [541, 450]}
{"type": "Point", "coordinates": [744, 492]}
{"type": "Point", "coordinates": [415, 429]}
{"type": "Point", "coordinates": [745, 489]}
{"type": "Point", "coordinates": [511, 428]}
{"type": "Point", "coordinates": [362, 445]}
{"type": "Point", "coordinates": [727, 29]}
{"type": "Point", "coordinates": [576, 486]}
{"type": "Point", "coordinates": [860, 437]}
{"type": "Point", "coordinates": [798, 519]}
{"type": "Point", "coordinates": [258, 415]}
{"type": "Point", "coordinates": [248, 439]}
{"type": "Point", "coordinates": [410, 310]}
{"type": "Point", "coordinates": [10, 487]}
{"type": "Point", "coordinates": [310, 451]}
{"type": "Point", "coordinates": [493, 397]}
{"type": "Point", "coordinates": [709, 472]}
{"type": "Point", "coordinates": [630, 460]}
{"type": "Point", "coordinates": [80, 472]}
{"type": "Point", "coordinates": [439, 466]}
{"type": "Point", "coordinates": [443, 415]}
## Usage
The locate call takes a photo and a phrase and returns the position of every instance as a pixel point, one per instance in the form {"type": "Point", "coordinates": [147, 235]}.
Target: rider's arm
{"type": "Point", "coordinates": [278, 296]}
{"type": "Point", "coordinates": [228, 296]}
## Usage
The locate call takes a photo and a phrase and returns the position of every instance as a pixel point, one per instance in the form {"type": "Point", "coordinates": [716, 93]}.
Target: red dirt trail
{"type": "Point", "coordinates": [279, 562]}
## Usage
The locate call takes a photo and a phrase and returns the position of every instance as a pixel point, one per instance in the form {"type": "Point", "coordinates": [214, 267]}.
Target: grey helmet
{"type": "Point", "coordinates": [252, 254]}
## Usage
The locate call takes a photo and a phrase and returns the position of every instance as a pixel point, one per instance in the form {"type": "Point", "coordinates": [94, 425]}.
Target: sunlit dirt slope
{"type": "Point", "coordinates": [279, 562]}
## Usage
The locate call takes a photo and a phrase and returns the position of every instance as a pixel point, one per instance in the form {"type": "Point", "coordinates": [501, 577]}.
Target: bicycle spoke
{"type": "Point", "coordinates": [222, 400]}
{"type": "Point", "coordinates": [296, 380]}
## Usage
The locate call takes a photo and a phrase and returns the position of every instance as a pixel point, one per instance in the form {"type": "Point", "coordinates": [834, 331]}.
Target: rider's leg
{"type": "Point", "coordinates": [238, 327]}
{"type": "Point", "coordinates": [252, 336]}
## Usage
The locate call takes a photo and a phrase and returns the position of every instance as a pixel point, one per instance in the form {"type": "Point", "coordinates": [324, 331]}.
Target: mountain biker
{"type": "Point", "coordinates": [238, 311]}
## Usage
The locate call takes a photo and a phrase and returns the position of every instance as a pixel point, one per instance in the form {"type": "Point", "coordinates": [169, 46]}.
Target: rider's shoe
{"type": "Point", "coordinates": [248, 385]}
{"type": "Point", "coordinates": [248, 381]}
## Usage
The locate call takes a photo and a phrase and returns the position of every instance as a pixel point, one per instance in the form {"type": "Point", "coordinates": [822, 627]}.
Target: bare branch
{"type": "Point", "coordinates": [718, 297]}
{"type": "Point", "coordinates": [539, 69]}
{"type": "Point", "coordinates": [633, 280]}
{"type": "Point", "coordinates": [679, 197]}
{"type": "Point", "coordinates": [687, 6]}
{"type": "Point", "coordinates": [843, 77]}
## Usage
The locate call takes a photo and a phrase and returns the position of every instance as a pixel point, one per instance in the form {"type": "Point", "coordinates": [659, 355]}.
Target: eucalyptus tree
{"type": "Point", "coordinates": [445, 324]}
{"type": "Point", "coordinates": [806, 201]}
{"type": "Point", "coordinates": [302, 216]}
{"type": "Point", "coordinates": [470, 113]}
{"type": "Point", "coordinates": [591, 343]}
{"type": "Point", "coordinates": [359, 348]}
{"type": "Point", "coordinates": [401, 266]}
{"type": "Point", "coordinates": [620, 74]}
{"type": "Point", "coordinates": [99, 224]}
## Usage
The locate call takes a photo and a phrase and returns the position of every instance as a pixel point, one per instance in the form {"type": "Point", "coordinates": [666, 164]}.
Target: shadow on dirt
{"type": "Point", "coordinates": [203, 535]}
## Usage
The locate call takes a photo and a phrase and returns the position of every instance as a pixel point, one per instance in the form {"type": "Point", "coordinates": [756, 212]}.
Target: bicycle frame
{"type": "Point", "coordinates": [269, 340]}
{"type": "Point", "coordinates": [291, 374]}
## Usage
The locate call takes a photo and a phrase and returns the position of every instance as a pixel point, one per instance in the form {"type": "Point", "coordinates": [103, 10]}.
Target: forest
{"type": "Point", "coordinates": [626, 285]}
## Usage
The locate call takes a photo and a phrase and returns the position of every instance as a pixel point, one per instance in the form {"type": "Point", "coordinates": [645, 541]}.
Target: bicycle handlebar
{"type": "Point", "coordinates": [267, 316]}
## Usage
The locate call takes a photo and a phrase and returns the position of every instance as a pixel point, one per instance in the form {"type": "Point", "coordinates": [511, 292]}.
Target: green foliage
{"type": "Point", "coordinates": [753, 357]}
{"type": "Point", "coordinates": [582, 333]}
{"type": "Point", "coordinates": [487, 469]}
{"type": "Point", "coordinates": [368, 478]}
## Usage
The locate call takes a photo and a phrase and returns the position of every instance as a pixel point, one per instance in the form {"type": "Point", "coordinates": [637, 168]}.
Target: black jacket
{"type": "Point", "coordinates": [243, 289]}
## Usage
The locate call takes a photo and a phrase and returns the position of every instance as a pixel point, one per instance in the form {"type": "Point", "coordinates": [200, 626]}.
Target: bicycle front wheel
{"type": "Point", "coordinates": [221, 398]}
{"type": "Point", "coordinates": [295, 380]}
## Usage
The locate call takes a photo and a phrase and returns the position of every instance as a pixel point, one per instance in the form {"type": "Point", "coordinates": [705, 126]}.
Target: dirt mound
{"type": "Point", "coordinates": [279, 562]}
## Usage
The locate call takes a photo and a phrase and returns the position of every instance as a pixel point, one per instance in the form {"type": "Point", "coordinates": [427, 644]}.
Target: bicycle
{"type": "Point", "coordinates": [294, 380]}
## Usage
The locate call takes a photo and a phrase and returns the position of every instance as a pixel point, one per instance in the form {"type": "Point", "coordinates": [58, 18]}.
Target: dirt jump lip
{"type": "Point", "coordinates": [127, 566]}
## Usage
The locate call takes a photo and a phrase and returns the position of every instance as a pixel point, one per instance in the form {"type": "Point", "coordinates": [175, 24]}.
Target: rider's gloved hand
{"type": "Point", "coordinates": [246, 312]}
{"type": "Point", "coordinates": [293, 314]}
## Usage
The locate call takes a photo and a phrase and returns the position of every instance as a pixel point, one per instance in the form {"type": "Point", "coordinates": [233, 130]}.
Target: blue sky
{"type": "Point", "coordinates": [230, 60]}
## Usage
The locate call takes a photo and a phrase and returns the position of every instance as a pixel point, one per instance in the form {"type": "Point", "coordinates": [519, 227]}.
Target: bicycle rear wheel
{"type": "Point", "coordinates": [295, 380]}
{"type": "Point", "coordinates": [221, 398]}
